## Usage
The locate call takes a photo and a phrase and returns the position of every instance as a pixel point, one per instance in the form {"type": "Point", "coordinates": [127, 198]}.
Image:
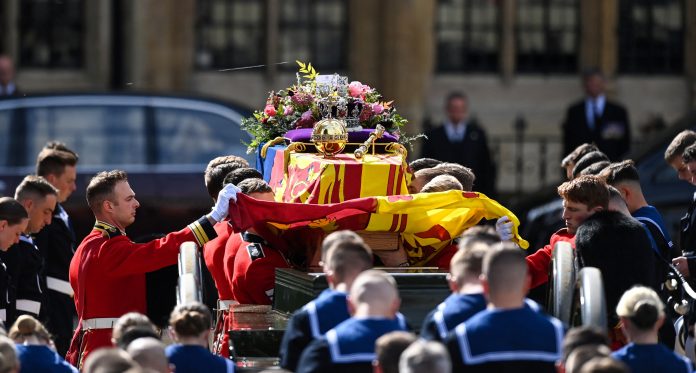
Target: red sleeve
{"type": "Point", "coordinates": [538, 264]}
{"type": "Point", "coordinates": [125, 257]}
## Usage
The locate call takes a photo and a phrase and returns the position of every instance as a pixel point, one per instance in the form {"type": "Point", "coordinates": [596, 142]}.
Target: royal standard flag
{"type": "Point", "coordinates": [427, 222]}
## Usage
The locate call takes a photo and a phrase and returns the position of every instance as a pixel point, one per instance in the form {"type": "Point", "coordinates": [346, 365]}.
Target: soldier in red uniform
{"type": "Point", "coordinates": [108, 270]}
{"type": "Point", "coordinates": [582, 197]}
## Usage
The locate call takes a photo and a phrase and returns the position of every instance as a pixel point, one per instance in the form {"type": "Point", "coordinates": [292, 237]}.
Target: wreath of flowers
{"type": "Point", "coordinates": [298, 107]}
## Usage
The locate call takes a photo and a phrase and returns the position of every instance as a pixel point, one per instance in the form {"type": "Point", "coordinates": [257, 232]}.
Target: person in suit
{"type": "Point", "coordinates": [57, 242]}
{"type": "Point", "coordinates": [594, 119]}
{"type": "Point", "coordinates": [461, 140]}
{"type": "Point", "coordinates": [7, 73]}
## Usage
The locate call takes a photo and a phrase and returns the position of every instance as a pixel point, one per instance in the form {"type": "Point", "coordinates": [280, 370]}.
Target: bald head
{"type": "Point", "coordinates": [149, 353]}
{"type": "Point", "coordinates": [374, 293]}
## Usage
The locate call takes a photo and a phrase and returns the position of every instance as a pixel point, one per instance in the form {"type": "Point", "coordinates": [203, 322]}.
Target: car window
{"type": "Point", "coordinates": [5, 125]}
{"type": "Point", "coordinates": [102, 135]}
{"type": "Point", "coordinates": [186, 136]}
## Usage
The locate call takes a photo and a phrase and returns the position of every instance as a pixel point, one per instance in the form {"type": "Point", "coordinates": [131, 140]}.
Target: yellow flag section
{"type": "Point", "coordinates": [429, 221]}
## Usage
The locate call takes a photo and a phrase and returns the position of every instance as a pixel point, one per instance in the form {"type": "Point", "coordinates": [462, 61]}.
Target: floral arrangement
{"type": "Point", "coordinates": [300, 106]}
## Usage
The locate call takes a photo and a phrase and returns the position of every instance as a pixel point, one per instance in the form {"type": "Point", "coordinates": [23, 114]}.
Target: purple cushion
{"type": "Point", "coordinates": [305, 135]}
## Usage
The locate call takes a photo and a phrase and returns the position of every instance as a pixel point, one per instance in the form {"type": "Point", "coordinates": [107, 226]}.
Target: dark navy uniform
{"type": "Point", "coordinates": [456, 309]}
{"type": "Point", "coordinates": [194, 359]}
{"type": "Point", "coordinates": [7, 296]}
{"type": "Point", "coordinates": [57, 243]}
{"type": "Point", "coordinates": [24, 264]}
{"type": "Point", "coordinates": [652, 358]}
{"type": "Point", "coordinates": [349, 347]}
{"type": "Point", "coordinates": [687, 237]}
{"type": "Point", "coordinates": [311, 322]}
{"type": "Point", "coordinates": [516, 340]}
{"type": "Point", "coordinates": [40, 358]}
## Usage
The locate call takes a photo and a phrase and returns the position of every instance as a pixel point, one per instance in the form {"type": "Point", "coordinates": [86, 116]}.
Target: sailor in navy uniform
{"type": "Point", "coordinates": [24, 263]}
{"type": "Point", "coordinates": [342, 264]}
{"type": "Point", "coordinates": [509, 336]}
{"type": "Point", "coordinates": [350, 346]}
{"type": "Point", "coordinates": [467, 297]}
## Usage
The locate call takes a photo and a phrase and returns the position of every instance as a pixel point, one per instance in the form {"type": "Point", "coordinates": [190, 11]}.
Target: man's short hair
{"type": "Point", "coordinates": [689, 154]}
{"type": "Point", "coordinates": [463, 174]}
{"type": "Point", "coordinates": [336, 237]}
{"type": "Point", "coordinates": [587, 160]}
{"type": "Point", "coordinates": [581, 355]}
{"type": "Point", "coordinates": [109, 360]}
{"type": "Point", "coordinates": [422, 163]}
{"type": "Point", "coordinates": [214, 177]}
{"type": "Point", "coordinates": [620, 172]}
{"type": "Point", "coordinates": [678, 144]}
{"type": "Point", "coordinates": [53, 158]}
{"type": "Point", "coordinates": [237, 176]}
{"type": "Point", "coordinates": [505, 267]}
{"type": "Point", "coordinates": [441, 183]}
{"type": "Point", "coordinates": [253, 185]}
{"type": "Point", "coordinates": [467, 263]}
{"type": "Point", "coordinates": [589, 190]}
{"type": "Point", "coordinates": [455, 96]}
{"type": "Point", "coordinates": [130, 321]}
{"type": "Point", "coordinates": [348, 258]}
{"type": "Point", "coordinates": [34, 188]}
{"type": "Point", "coordinates": [578, 153]}
{"type": "Point", "coordinates": [389, 347]}
{"type": "Point", "coordinates": [425, 357]}
{"type": "Point", "coordinates": [592, 72]}
{"type": "Point", "coordinates": [581, 336]}
{"type": "Point", "coordinates": [101, 187]}
{"type": "Point", "coordinates": [217, 161]}
{"type": "Point", "coordinates": [149, 353]}
{"type": "Point", "coordinates": [480, 235]}
{"type": "Point", "coordinates": [430, 173]}
{"type": "Point", "coordinates": [595, 168]}
{"type": "Point", "coordinates": [604, 364]}
{"type": "Point", "coordinates": [373, 287]}
{"type": "Point", "coordinates": [12, 211]}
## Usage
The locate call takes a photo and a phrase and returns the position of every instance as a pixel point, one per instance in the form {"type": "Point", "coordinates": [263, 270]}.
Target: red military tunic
{"type": "Point", "coordinates": [213, 253]}
{"type": "Point", "coordinates": [538, 263]}
{"type": "Point", "coordinates": [253, 279]}
{"type": "Point", "coordinates": [107, 274]}
{"type": "Point", "coordinates": [222, 337]}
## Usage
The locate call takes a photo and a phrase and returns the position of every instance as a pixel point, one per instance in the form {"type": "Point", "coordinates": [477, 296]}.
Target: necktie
{"type": "Point", "coordinates": [596, 116]}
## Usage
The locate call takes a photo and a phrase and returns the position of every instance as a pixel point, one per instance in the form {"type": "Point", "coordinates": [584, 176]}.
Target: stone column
{"type": "Point", "coordinates": [161, 44]}
{"type": "Point", "coordinates": [598, 36]}
{"type": "Point", "coordinates": [508, 48]}
{"type": "Point", "coordinates": [690, 50]}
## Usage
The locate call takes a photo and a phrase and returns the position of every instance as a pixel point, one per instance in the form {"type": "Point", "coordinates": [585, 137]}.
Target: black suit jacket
{"type": "Point", "coordinates": [57, 244]}
{"type": "Point", "coordinates": [472, 152]}
{"type": "Point", "coordinates": [612, 136]}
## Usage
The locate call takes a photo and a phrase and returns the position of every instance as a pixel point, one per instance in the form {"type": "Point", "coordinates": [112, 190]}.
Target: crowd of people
{"type": "Point", "coordinates": [58, 297]}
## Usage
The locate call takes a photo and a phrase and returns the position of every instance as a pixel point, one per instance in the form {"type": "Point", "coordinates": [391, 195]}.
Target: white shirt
{"type": "Point", "coordinates": [455, 133]}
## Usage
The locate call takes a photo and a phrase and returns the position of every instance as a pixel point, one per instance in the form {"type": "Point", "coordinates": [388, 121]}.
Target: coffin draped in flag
{"type": "Point", "coordinates": [426, 222]}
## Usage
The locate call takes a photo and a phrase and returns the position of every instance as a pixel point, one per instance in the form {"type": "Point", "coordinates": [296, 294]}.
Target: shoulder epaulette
{"type": "Point", "coordinates": [107, 230]}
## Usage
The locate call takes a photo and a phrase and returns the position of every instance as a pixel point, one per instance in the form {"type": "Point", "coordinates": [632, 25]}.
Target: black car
{"type": "Point", "coordinates": [163, 142]}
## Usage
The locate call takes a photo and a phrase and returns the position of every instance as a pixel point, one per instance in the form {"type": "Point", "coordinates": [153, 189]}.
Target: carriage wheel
{"type": "Point", "coordinates": [590, 301]}
{"type": "Point", "coordinates": [189, 287]}
{"type": "Point", "coordinates": [562, 284]}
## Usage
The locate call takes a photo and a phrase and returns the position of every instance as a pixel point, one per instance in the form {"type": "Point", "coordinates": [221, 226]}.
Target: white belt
{"type": "Point", "coordinates": [224, 304]}
{"type": "Point", "coordinates": [27, 305]}
{"type": "Point", "coordinates": [59, 285]}
{"type": "Point", "coordinates": [99, 323]}
{"type": "Point", "coordinates": [3, 314]}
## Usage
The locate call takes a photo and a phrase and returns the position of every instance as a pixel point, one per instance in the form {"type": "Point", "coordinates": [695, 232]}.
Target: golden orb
{"type": "Point", "coordinates": [330, 136]}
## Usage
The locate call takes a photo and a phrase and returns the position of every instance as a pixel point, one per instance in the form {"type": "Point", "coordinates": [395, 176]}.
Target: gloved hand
{"type": "Point", "coordinates": [222, 205]}
{"type": "Point", "coordinates": [503, 227]}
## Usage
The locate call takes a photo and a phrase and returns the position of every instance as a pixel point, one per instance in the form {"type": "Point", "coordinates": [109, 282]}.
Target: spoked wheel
{"type": "Point", "coordinates": [562, 282]}
{"type": "Point", "coordinates": [590, 306]}
{"type": "Point", "coordinates": [189, 287]}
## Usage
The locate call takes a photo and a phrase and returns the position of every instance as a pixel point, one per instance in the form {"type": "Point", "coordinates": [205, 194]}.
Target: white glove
{"type": "Point", "coordinates": [504, 228]}
{"type": "Point", "coordinates": [222, 205]}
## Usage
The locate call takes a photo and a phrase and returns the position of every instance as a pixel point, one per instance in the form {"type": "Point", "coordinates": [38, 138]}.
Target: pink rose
{"type": "Point", "coordinates": [356, 89]}
{"type": "Point", "coordinates": [288, 110]}
{"type": "Point", "coordinates": [270, 110]}
{"type": "Point", "coordinates": [377, 109]}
